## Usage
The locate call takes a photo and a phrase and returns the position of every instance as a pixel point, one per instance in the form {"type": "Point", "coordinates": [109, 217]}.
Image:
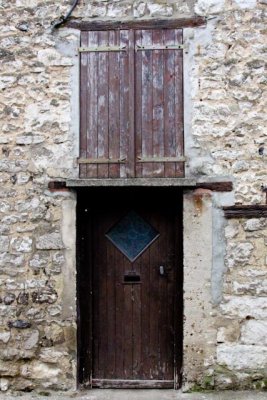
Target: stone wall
{"type": "Point", "coordinates": [225, 130]}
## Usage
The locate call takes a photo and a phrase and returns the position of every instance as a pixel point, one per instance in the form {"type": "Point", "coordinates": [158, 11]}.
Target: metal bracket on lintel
{"type": "Point", "coordinates": [101, 49]}
{"type": "Point", "coordinates": [159, 47]}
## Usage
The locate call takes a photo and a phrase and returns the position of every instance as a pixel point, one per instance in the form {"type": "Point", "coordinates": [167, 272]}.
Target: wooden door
{"type": "Point", "coordinates": [132, 248]}
{"type": "Point", "coordinates": [131, 104]}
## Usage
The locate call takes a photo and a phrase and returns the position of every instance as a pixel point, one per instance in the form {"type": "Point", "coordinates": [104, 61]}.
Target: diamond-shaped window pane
{"type": "Point", "coordinates": [132, 235]}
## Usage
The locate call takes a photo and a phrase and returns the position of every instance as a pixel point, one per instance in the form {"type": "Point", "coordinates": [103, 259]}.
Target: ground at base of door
{"type": "Point", "coordinates": [138, 394]}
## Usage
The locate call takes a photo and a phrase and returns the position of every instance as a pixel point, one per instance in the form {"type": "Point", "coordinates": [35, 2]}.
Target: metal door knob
{"type": "Point", "coordinates": [161, 270]}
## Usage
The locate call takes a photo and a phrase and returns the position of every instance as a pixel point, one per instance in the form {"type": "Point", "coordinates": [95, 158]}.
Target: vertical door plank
{"type": "Point", "coordinates": [146, 102]}
{"type": "Point", "coordinates": [179, 101]}
{"type": "Point", "coordinates": [103, 104]}
{"type": "Point", "coordinates": [158, 103]}
{"type": "Point", "coordinates": [92, 107]}
{"type": "Point", "coordinates": [154, 308]}
{"type": "Point", "coordinates": [114, 104]}
{"type": "Point", "coordinates": [83, 103]}
{"type": "Point", "coordinates": [111, 310]}
{"type": "Point", "coordinates": [119, 323]}
{"type": "Point", "coordinates": [169, 102]}
{"type": "Point", "coordinates": [128, 332]}
{"type": "Point", "coordinates": [145, 312]}
{"type": "Point", "coordinates": [136, 324]}
{"type": "Point", "coordinates": [124, 101]}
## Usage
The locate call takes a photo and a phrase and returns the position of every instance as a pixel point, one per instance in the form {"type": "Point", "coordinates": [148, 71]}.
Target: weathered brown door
{"type": "Point", "coordinates": [132, 247]}
{"type": "Point", "coordinates": [131, 104]}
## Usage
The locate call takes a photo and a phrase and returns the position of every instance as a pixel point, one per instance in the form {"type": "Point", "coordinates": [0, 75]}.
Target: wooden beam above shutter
{"type": "Point", "coordinates": [136, 24]}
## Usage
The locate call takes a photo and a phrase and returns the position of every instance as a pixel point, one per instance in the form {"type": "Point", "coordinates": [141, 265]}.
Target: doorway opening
{"type": "Point", "coordinates": [129, 287]}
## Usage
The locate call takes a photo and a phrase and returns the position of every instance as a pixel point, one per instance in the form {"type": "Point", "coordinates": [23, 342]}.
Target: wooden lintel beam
{"type": "Point", "coordinates": [246, 211]}
{"type": "Point", "coordinates": [136, 24]}
{"type": "Point", "coordinates": [216, 186]}
{"type": "Point", "coordinates": [56, 185]}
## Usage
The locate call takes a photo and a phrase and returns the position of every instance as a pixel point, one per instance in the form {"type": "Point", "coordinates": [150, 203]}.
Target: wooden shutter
{"type": "Point", "coordinates": [131, 104]}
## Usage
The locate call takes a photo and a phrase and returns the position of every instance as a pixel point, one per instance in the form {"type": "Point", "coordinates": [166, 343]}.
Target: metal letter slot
{"type": "Point", "coordinates": [131, 277]}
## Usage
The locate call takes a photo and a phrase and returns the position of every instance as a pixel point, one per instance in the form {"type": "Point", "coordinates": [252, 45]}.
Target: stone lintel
{"type": "Point", "coordinates": [149, 182]}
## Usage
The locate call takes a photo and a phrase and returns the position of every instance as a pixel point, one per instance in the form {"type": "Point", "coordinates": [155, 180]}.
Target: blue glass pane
{"type": "Point", "coordinates": [132, 235]}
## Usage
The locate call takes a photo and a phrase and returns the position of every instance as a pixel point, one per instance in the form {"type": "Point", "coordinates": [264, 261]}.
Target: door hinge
{"type": "Point", "coordinates": [101, 48]}
{"type": "Point", "coordinates": [159, 47]}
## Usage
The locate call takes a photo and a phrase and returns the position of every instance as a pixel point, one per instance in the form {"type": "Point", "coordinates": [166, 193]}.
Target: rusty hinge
{"type": "Point", "coordinates": [101, 48]}
{"type": "Point", "coordinates": [160, 159]}
{"type": "Point", "coordinates": [160, 47]}
{"type": "Point", "coordinates": [101, 161]}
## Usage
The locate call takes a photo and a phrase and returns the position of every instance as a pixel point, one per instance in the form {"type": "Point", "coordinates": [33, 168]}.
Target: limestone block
{"type": "Point", "coordinates": [49, 241]}
{"type": "Point", "coordinates": [118, 10]}
{"type": "Point", "coordinates": [245, 306]}
{"type": "Point", "coordinates": [23, 298]}
{"type": "Point", "coordinates": [55, 310]}
{"type": "Point", "coordinates": [26, 3]}
{"type": "Point", "coordinates": [159, 10]}
{"type": "Point", "coordinates": [139, 10]}
{"type": "Point", "coordinates": [21, 244]}
{"type": "Point", "coordinates": [39, 260]}
{"type": "Point", "coordinates": [4, 243]}
{"type": "Point", "coordinates": [232, 229]}
{"type": "Point", "coordinates": [241, 356]}
{"type": "Point", "coordinates": [96, 10]}
{"type": "Point", "coordinates": [239, 254]}
{"type": "Point", "coordinates": [45, 295]}
{"type": "Point", "coordinates": [206, 7]}
{"type": "Point", "coordinates": [253, 224]}
{"type": "Point", "coordinates": [32, 340]}
{"type": "Point", "coordinates": [9, 298]}
{"type": "Point", "coordinates": [4, 336]}
{"type": "Point", "coordinates": [8, 368]}
{"type": "Point", "coordinates": [49, 355]}
{"type": "Point", "coordinates": [4, 384]}
{"type": "Point", "coordinates": [245, 4]}
{"type": "Point", "coordinates": [39, 370]}
{"type": "Point", "coordinates": [55, 333]}
{"type": "Point", "coordinates": [52, 57]}
{"type": "Point", "coordinates": [254, 332]}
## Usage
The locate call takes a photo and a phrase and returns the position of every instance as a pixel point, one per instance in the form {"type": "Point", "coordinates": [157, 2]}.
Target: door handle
{"type": "Point", "coordinates": [161, 270]}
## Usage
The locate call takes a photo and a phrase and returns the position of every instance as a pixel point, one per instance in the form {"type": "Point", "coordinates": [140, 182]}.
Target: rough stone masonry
{"type": "Point", "coordinates": [225, 88]}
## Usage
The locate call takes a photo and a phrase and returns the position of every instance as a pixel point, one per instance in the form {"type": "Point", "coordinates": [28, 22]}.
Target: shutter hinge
{"type": "Point", "coordinates": [101, 48]}
{"type": "Point", "coordinates": [160, 47]}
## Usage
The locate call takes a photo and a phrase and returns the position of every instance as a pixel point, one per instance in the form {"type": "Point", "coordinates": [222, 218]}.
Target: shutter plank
{"type": "Point", "coordinates": [83, 108]}
{"type": "Point", "coordinates": [138, 104]}
{"type": "Point", "coordinates": [103, 104]}
{"type": "Point", "coordinates": [169, 103]}
{"type": "Point", "coordinates": [158, 104]}
{"type": "Point", "coordinates": [146, 102]}
{"type": "Point", "coordinates": [179, 102]}
{"type": "Point", "coordinates": [91, 105]}
{"type": "Point", "coordinates": [124, 102]}
{"type": "Point", "coordinates": [114, 104]}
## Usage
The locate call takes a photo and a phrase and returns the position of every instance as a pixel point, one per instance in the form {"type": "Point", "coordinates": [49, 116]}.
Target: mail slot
{"type": "Point", "coordinates": [132, 277]}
